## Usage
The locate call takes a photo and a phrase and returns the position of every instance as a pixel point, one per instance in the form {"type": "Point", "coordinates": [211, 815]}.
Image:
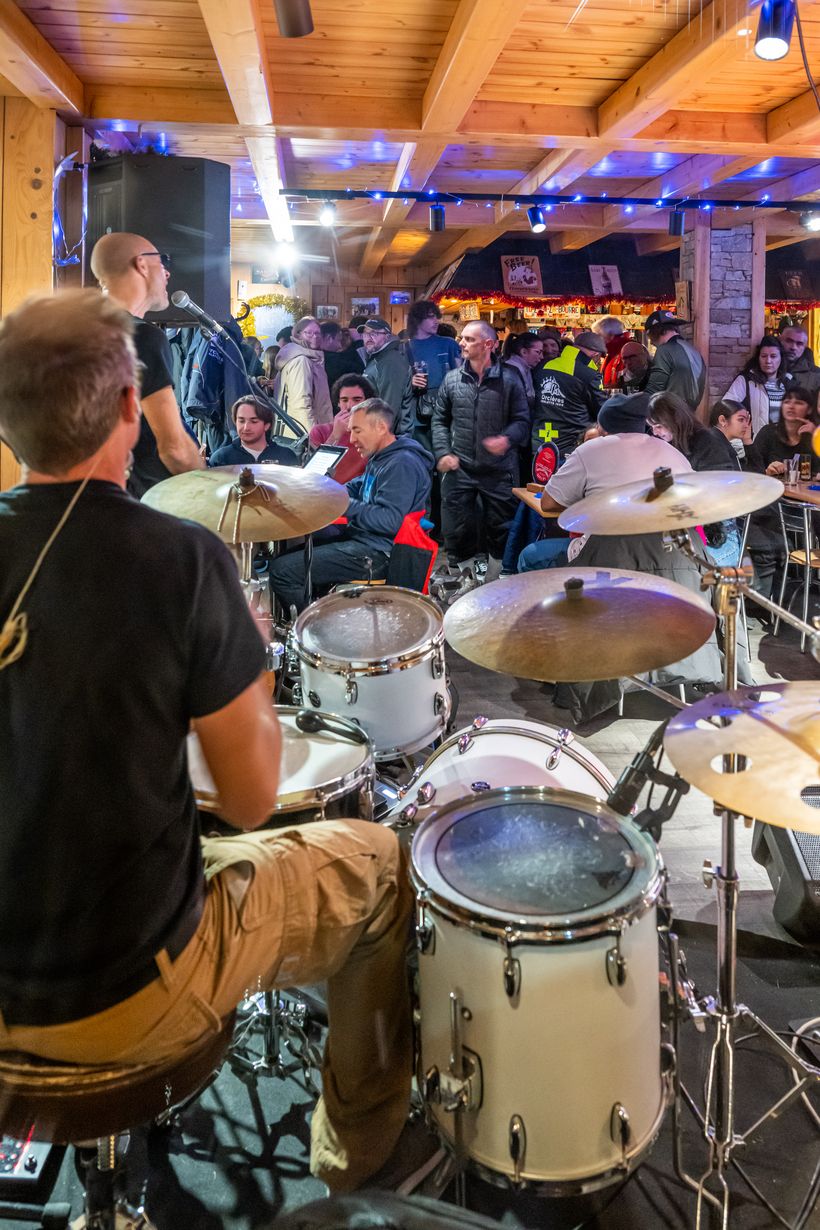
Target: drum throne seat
{"type": "Point", "coordinates": [67, 1103]}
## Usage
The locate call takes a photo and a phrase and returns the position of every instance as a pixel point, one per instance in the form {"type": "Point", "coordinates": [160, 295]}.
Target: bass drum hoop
{"type": "Point", "coordinates": [539, 736]}
{"type": "Point", "coordinates": [332, 665]}
{"type": "Point", "coordinates": [532, 929]}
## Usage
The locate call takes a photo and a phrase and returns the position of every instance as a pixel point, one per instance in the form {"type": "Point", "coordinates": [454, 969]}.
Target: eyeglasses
{"type": "Point", "coordinates": [163, 256]}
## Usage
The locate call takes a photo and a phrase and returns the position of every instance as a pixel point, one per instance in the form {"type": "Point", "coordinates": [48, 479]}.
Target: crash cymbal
{"type": "Point", "coordinates": [776, 727]}
{"type": "Point", "coordinates": [281, 501]}
{"type": "Point", "coordinates": [671, 502]}
{"type": "Point", "coordinates": [578, 624]}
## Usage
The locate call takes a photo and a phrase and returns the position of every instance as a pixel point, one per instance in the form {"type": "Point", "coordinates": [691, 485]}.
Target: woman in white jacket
{"type": "Point", "coordinates": [301, 386]}
{"type": "Point", "coordinates": [762, 383]}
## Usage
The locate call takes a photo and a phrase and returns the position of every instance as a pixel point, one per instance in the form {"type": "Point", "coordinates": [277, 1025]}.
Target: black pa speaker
{"type": "Point", "coordinates": [183, 207]}
{"type": "Point", "coordinates": [792, 861]}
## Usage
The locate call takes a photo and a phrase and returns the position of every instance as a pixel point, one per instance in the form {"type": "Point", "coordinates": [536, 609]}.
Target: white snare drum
{"type": "Point", "coordinates": [538, 985]}
{"type": "Point", "coordinates": [376, 654]}
{"type": "Point", "coordinates": [500, 752]}
{"type": "Point", "coordinates": [324, 775]}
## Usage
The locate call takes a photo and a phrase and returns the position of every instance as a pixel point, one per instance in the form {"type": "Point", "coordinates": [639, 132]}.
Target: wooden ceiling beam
{"type": "Point", "coordinates": [416, 164]}
{"type": "Point", "coordinates": [648, 245]}
{"type": "Point", "coordinates": [32, 65]}
{"type": "Point", "coordinates": [695, 53]}
{"type": "Point", "coordinates": [478, 33]}
{"type": "Point", "coordinates": [796, 120]}
{"type": "Point", "coordinates": [236, 37]}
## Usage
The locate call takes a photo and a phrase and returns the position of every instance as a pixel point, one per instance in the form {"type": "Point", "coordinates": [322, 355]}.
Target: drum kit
{"type": "Point", "coordinates": [538, 891]}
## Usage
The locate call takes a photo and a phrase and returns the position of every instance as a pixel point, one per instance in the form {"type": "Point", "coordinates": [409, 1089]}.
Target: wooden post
{"type": "Point", "coordinates": [758, 305]}
{"type": "Point", "coordinates": [701, 293]}
{"type": "Point", "coordinates": [26, 175]}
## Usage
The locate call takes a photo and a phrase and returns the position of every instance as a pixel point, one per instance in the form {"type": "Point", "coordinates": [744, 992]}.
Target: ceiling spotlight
{"type": "Point", "coordinates": [327, 214]}
{"type": "Point", "coordinates": [774, 29]}
{"type": "Point", "coordinates": [293, 18]}
{"type": "Point", "coordinates": [810, 221]}
{"type": "Point", "coordinates": [285, 255]}
{"type": "Point", "coordinates": [536, 219]}
{"type": "Point", "coordinates": [676, 222]}
{"type": "Point", "coordinates": [438, 218]}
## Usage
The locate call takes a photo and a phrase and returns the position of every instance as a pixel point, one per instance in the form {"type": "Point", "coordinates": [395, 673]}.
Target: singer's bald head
{"type": "Point", "coordinates": [130, 269]}
{"type": "Point", "coordinates": [113, 255]}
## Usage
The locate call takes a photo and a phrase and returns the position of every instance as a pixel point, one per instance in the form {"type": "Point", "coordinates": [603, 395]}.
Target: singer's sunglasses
{"type": "Point", "coordinates": [163, 256]}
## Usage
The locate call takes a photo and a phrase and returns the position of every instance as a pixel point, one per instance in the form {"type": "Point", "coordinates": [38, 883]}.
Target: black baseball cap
{"type": "Point", "coordinates": [378, 324]}
{"type": "Point", "coordinates": [662, 316]}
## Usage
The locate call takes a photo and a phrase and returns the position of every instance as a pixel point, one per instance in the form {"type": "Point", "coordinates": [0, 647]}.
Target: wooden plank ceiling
{"type": "Point", "coordinates": [648, 97]}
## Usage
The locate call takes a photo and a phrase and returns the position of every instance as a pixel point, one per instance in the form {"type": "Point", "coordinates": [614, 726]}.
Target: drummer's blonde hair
{"type": "Point", "coordinates": [65, 361]}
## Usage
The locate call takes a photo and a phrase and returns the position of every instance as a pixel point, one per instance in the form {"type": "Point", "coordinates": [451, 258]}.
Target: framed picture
{"type": "Point", "coordinates": [605, 279]}
{"type": "Point", "coordinates": [365, 305]}
{"type": "Point", "coordinates": [682, 300]}
{"type": "Point", "coordinates": [400, 298]}
{"type": "Point", "coordinates": [264, 275]}
{"type": "Point", "coordinates": [469, 311]}
{"type": "Point", "coordinates": [327, 311]}
{"type": "Point", "coordinates": [795, 283]}
{"type": "Point", "coordinates": [521, 275]}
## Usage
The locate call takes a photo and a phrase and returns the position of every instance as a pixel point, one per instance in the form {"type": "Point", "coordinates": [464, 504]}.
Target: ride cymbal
{"type": "Point", "coordinates": [775, 728]}
{"type": "Point", "coordinates": [578, 624]}
{"type": "Point", "coordinates": [671, 502]}
{"type": "Point", "coordinates": [259, 503]}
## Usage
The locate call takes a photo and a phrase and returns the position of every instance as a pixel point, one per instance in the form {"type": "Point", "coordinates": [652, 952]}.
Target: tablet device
{"type": "Point", "coordinates": [324, 459]}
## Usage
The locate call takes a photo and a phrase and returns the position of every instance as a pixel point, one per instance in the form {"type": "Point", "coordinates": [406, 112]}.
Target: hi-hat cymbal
{"type": "Point", "coordinates": [578, 624]}
{"type": "Point", "coordinates": [280, 501]}
{"type": "Point", "coordinates": [650, 506]}
{"type": "Point", "coordinates": [776, 727]}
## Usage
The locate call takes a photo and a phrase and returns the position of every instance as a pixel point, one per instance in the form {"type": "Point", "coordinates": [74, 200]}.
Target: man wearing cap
{"type": "Point", "coordinates": [568, 393]}
{"type": "Point", "coordinates": [677, 367]}
{"type": "Point", "coordinates": [387, 368]}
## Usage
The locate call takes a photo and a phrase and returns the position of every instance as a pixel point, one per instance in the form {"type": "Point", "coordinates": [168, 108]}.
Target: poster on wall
{"type": "Point", "coordinates": [365, 305]}
{"type": "Point", "coordinates": [682, 302]}
{"type": "Point", "coordinates": [399, 298]}
{"type": "Point", "coordinates": [605, 279]}
{"type": "Point", "coordinates": [521, 275]}
{"type": "Point", "coordinates": [795, 284]}
{"type": "Point", "coordinates": [327, 311]}
{"type": "Point", "coordinates": [264, 275]}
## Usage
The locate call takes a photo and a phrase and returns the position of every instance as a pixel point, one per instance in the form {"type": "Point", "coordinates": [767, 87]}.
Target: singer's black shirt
{"type": "Point", "coordinates": [154, 353]}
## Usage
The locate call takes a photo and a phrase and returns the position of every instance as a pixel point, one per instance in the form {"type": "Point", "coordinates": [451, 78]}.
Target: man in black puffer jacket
{"type": "Point", "coordinates": [480, 421]}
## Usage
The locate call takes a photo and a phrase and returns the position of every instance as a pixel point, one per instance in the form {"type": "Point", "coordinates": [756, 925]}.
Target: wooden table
{"type": "Point", "coordinates": [802, 493]}
{"type": "Point", "coordinates": [533, 500]}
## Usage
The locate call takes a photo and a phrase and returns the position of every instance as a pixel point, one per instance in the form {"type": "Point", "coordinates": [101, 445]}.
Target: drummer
{"type": "Point", "coordinates": [122, 940]}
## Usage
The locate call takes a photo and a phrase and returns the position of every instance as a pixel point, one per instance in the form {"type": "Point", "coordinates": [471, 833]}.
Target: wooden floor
{"type": "Point", "coordinates": [694, 833]}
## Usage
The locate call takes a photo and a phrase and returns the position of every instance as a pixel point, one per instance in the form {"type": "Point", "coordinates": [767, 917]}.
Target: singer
{"type": "Point", "coordinates": [135, 275]}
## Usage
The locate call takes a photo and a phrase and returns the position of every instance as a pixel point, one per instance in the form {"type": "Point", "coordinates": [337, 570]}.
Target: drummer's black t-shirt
{"type": "Point", "coordinates": [136, 624]}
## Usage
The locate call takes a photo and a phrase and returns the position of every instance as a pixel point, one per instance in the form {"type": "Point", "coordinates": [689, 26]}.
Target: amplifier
{"type": "Point", "coordinates": [792, 860]}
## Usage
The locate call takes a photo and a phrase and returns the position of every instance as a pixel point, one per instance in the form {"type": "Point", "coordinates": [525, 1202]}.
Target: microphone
{"type": "Point", "coordinates": [624, 794]}
{"type": "Point", "coordinates": [182, 299]}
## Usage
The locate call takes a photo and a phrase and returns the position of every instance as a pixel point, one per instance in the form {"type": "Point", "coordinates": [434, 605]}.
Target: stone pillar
{"type": "Point", "coordinates": [726, 272]}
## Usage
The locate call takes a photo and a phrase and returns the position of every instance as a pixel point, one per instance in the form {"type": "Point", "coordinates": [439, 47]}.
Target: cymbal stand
{"type": "Point", "coordinates": [718, 1120]}
{"type": "Point", "coordinates": [256, 590]}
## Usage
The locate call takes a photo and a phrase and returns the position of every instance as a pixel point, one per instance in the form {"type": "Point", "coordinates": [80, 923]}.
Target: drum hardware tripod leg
{"type": "Point", "coordinates": [659, 692]}
{"type": "Point", "coordinates": [719, 1126]}
{"type": "Point", "coordinates": [284, 1020]}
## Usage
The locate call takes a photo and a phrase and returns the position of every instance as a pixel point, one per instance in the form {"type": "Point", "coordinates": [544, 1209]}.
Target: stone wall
{"type": "Point", "coordinates": [730, 298]}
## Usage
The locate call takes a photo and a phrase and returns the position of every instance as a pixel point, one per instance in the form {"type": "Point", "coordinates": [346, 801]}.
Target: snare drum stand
{"type": "Point", "coordinates": [730, 585]}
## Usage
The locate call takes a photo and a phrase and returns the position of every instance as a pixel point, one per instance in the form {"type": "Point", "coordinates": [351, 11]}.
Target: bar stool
{"type": "Point", "coordinates": [70, 1103]}
{"type": "Point", "coordinates": [796, 521]}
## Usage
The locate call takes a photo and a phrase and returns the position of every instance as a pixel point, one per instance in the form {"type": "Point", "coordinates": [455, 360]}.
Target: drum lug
{"type": "Point", "coordinates": [465, 741]}
{"type": "Point", "coordinates": [620, 1129]}
{"type": "Point", "coordinates": [351, 691]}
{"type": "Point", "coordinates": [440, 704]}
{"type": "Point", "coordinates": [616, 964]}
{"type": "Point", "coordinates": [407, 815]}
{"type": "Point", "coordinates": [425, 932]}
{"type": "Point", "coordinates": [315, 699]}
{"type": "Point", "coordinates": [426, 792]}
{"type": "Point", "coordinates": [479, 722]}
{"type": "Point", "coordinates": [296, 694]}
{"type": "Point", "coordinates": [437, 665]}
{"type": "Point", "coordinates": [431, 1085]}
{"type": "Point", "coordinates": [512, 977]}
{"type": "Point", "coordinates": [564, 737]}
{"type": "Point", "coordinates": [517, 1143]}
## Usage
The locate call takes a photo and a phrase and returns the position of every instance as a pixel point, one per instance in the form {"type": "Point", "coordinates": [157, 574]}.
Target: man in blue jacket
{"type": "Point", "coordinates": [396, 481]}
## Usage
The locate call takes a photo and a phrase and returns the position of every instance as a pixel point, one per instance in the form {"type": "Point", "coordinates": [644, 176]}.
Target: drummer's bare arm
{"type": "Point", "coordinates": [242, 746]}
{"type": "Point", "coordinates": [548, 504]}
{"type": "Point", "coordinates": [177, 451]}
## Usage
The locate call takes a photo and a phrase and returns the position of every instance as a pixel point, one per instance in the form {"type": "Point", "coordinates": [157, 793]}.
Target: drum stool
{"type": "Point", "coordinates": [69, 1103]}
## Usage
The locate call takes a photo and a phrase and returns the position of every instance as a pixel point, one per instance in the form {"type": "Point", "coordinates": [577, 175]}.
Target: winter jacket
{"type": "Point", "coordinates": [678, 368]}
{"type": "Point", "coordinates": [613, 363]}
{"type": "Point", "coordinates": [467, 412]}
{"type": "Point", "coordinates": [442, 355]}
{"type": "Point", "coordinates": [568, 396]}
{"type": "Point", "coordinates": [389, 372]}
{"type": "Point", "coordinates": [748, 388]}
{"type": "Point", "coordinates": [301, 385]}
{"type": "Point", "coordinates": [804, 372]}
{"type": "Point", "coordinates": [396, 481]}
